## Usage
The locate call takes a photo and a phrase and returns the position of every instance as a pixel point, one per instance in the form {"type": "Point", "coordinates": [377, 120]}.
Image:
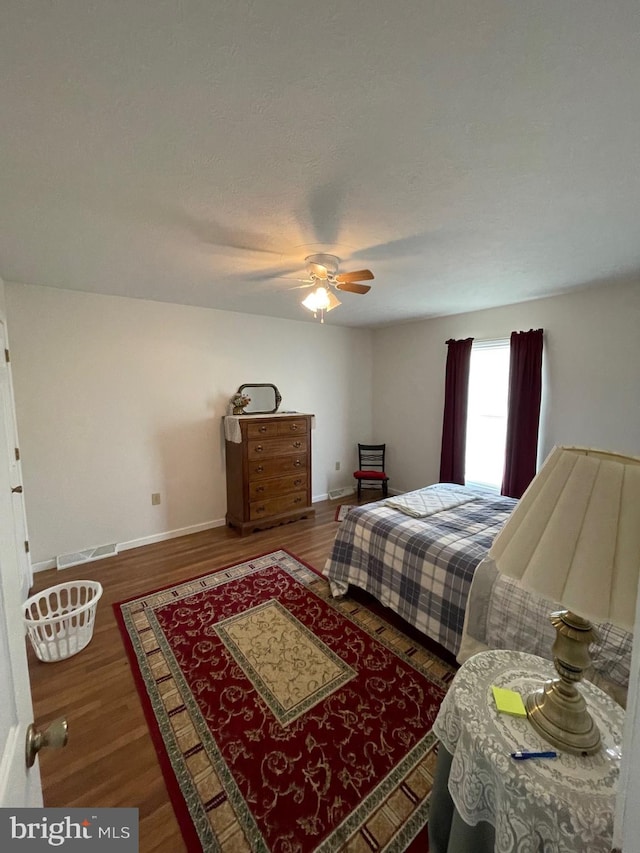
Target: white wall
{"type": "Point", "coordinates": [591, 375]}
{"type": "Point", "coordinates": [117, 398]}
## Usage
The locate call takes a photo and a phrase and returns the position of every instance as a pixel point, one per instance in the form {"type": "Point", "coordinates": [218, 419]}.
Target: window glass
{"type": "Point", "coordinates": [487, 413]}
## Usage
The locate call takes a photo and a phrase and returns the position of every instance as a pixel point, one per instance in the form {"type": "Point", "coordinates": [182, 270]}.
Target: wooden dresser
{"type": "Point", "coordinates": [268, 470]}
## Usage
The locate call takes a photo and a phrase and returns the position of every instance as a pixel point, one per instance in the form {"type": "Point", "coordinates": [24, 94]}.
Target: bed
{"type": "Point", "coordinates": [420, 567]}
{"type": "Point", "coordinates": [419, 553]}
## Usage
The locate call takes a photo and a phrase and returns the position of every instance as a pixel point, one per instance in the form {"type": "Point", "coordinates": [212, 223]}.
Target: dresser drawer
{"type": "Point", "coordinates": [260, 469]}
{"type": "Point", "coordinates": [273, 506]}
{"type": "Point", "coordinates": [265, 488]}
{"type": "Point", "coordinates": [292, 427]}
{"type": "Point", "coordinates": [258, 449]}
{"type": "Point", "coordinates": [271, 429]}
{"type": "Point", "coordinates": [262, 429]}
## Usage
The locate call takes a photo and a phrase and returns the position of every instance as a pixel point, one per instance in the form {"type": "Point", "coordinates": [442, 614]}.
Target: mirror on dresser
{"type": "Point", "coordinates": [265, 398]}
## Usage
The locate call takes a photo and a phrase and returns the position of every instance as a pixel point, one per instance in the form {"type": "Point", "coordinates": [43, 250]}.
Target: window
{"type": "Point", "coordinates": [487, 413]}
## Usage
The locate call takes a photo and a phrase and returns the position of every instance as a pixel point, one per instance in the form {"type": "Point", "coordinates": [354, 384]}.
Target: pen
{"type": "Point", "coordinates": [522, 754]}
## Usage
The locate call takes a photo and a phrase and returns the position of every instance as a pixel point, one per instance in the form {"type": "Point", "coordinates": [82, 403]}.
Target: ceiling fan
{"type": "Point", "coordinates": [322, 267]}
{"type": "Point", "coordinates": [322, 270]}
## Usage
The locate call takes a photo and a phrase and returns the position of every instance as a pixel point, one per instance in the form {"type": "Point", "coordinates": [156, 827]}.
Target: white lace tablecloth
{"type": "Point", "coordinates": [562, 804]}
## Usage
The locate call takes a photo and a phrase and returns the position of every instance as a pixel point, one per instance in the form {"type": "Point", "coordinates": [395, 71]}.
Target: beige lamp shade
{"type": "Point", "coordinates": [574, 535]}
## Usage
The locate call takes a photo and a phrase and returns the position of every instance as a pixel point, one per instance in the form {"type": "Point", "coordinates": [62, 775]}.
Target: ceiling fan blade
{"type": "Point", "coordinates": [356, 275]}
{"type": "Point", "coordinates": [353, 287]}
{"type": "Point", "coordinates": [267, 274]}
{"type": "Point", "coordinates": [307, 283]}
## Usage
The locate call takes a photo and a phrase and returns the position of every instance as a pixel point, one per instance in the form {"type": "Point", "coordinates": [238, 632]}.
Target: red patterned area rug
{"type": "Point", "coordinates": [285, 720]}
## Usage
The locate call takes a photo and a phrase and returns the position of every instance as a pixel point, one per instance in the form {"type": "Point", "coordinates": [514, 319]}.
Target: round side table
{"type": "Point", "coordinates": [485, 800]}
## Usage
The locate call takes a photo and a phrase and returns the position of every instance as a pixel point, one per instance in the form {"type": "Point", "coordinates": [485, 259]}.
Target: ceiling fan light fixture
{"type": "Point", "coordinates": [320, 300]}
{"type": "Point", "coordinates": [333, 301]}
{"type": "Point", "coordinates": [323, 275]}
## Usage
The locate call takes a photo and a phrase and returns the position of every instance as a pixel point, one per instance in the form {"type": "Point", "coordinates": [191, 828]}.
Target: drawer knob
{"type": "Point", "coordinates": [259, 509]}
{"type": "Point", "coordinates": [259, 448]}
{"type": "Point", "coordinates": [297, 463]}
{"type": "Point", "coordinates": [297, 500]}
{"type": "Point", "coordinates": [259, 469]}
{"type": "Point", "coordinates": [297, 444]}
{"type": "Point", "coordinates": [297, 482]}
{"type": "Point", "coordinates": [260, 489]}
{"type": "Point", "coordinates": [262, 429]}
{"type": "Point", "coordinates": [293, 427]}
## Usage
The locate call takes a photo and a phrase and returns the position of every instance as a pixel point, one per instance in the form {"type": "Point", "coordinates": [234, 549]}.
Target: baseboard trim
{"type": "Point", "coordinates": [171, 534]}
{"type": "Point", "coordinates": [44, 565]}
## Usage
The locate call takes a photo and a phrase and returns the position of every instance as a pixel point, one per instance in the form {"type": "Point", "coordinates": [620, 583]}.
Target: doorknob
{"type": "Point", "coordinates": [55, 735]}
{"type": "Point", "coordinates": [17, 489]}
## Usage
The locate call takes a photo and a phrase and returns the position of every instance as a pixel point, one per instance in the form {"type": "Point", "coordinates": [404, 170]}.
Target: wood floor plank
{"type": "Point", "coordinates": [110, 759]}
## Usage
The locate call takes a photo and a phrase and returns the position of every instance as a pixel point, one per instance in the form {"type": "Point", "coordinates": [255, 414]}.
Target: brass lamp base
{"type": "Point", "coordinates": [558, 711]}
{"type": "Point", "coordinates": [562, 720]}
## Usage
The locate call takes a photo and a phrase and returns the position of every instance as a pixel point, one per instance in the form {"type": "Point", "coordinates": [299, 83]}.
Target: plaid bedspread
{"type": "Point", "coordinates": [419, 567]}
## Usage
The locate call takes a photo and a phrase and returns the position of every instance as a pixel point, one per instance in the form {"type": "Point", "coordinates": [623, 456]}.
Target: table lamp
{"type": "Point", "coordinates": [574, 536]}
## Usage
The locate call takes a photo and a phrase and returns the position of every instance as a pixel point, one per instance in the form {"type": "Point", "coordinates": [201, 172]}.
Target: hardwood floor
{"type": "Point", "coordinates": [110, 759]}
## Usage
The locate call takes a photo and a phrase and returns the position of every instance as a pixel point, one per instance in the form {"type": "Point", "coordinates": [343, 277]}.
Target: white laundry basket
{"type": "Point", "coordinates": [60, 619]}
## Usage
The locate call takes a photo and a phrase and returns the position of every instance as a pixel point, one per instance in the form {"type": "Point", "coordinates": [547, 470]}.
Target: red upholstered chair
{"type": "Point", "coordinates": [371, 468]}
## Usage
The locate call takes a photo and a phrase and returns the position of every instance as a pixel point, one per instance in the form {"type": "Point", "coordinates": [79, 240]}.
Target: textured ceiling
{"type": "Point", "coordinates": [471, 153]}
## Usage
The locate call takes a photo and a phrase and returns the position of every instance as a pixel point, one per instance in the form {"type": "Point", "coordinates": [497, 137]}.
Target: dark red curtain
{"type": "Point", "coordinates": [454, 422]}
{"type": "Point", "coordinates": [523, 419]}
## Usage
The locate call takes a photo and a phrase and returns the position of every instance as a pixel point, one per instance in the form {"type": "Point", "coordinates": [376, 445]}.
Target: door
{"type": "Point", "coordinates": [18, 786]}
{"type": "Point", "coordinates": [15, 469]}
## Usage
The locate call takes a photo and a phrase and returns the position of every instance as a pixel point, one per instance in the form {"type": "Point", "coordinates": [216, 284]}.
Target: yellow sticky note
{"type": "Point", "coordinates": [509, 702]}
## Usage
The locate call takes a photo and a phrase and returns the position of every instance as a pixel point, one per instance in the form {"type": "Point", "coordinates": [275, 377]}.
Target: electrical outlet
{"type": "Point", "coordinates": [155, 498]}
{"type": "Point", "coordinates": [337, 466]}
